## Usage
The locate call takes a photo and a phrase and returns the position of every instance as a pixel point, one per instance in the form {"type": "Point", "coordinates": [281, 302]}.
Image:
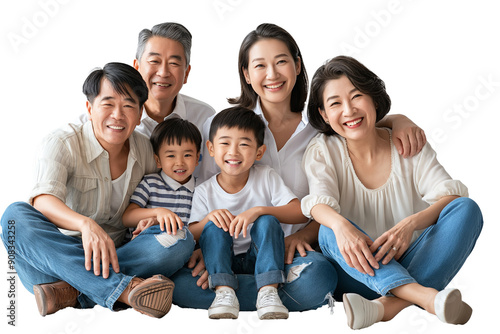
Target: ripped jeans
{"type": "Point", "coordinates": [309, 283]}
{"type": "Point", "coordinates": [43, 255]}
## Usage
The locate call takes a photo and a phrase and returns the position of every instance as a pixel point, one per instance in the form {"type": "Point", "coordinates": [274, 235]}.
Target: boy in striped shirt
{"type": "Point", "coordinates": [165, 197]}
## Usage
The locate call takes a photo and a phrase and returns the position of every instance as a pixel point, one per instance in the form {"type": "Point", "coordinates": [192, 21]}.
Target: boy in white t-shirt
{"type": "Point", "coordinates": [236, 216]}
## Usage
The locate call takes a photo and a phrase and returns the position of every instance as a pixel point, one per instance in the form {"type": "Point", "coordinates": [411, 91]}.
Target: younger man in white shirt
{"type": "Point", "coordinates": [242, 200]}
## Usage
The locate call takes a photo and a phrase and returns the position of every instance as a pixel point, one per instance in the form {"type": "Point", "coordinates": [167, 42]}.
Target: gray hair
{"type": "Point", "coordinates": [170, 30]}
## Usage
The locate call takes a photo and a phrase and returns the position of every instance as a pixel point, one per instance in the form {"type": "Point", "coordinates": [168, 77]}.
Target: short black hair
{"type": "Point", "coordinates": [122, 77]}
{"type": "Point", "coordinates": [173, 131]}
{"type": "Point", "coordinates": [361, 77]}
{"type": "Point", "coordinates": [241, 118]}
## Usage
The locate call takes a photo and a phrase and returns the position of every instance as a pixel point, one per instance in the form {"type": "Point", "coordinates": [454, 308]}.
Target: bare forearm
{"type": "Point", "coordinates": [287, 214]}
{"type": "Point", "coordinates": [196, 228]}
{"type": "Point", "coordinates": [310, 232]}
{"type": "Point", "coordinates": [388, 121]}
{"type": "Point", "coordinates": [429, 216]}
{"type": "Point", "coordinates": [327, 216]}
{"type": "Point", "coordinates": [59, 213]}
{"type": "Point", "coordinates": [134, 213]}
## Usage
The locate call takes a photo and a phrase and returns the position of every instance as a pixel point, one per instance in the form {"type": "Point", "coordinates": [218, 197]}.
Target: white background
{"type": "Point", "coordinates": [439, 61]}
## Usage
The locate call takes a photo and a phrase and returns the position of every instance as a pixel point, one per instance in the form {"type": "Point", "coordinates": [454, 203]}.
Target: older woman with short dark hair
{"type": "Point", "coordinates": [401, 227]}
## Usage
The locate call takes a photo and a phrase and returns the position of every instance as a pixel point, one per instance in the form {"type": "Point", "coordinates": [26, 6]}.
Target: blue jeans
{"type": "Point", "coordinates": [309, 282]}
{"type": "Point", "coordinates": [43, 255]}
{"type": "Point", "coordinates": [264, 258]}
{"type": "Point", "coordinates": [432, 260]}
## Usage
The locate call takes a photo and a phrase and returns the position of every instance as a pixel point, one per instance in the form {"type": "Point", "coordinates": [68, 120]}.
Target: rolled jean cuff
{"type": "Point", "coordinates": [111, 300]}
{"type": "Point", "coordinates": [270, 277]}
{"type": "Point", "coordinates": [387, 290]}
{"type": "Point", "coordinates": [220, 279]}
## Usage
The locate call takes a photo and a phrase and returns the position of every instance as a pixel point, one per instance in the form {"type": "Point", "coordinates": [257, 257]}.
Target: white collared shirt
{"type": "Point", "coordinates": [74, 167]}
{"type": "Point", "coordinates": [188, 108]}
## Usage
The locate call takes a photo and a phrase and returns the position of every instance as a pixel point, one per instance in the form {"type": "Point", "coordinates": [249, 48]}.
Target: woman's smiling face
{"type": "Point", "coordinates": [349, 112]}
{"type": "Point", "coordinates": [271, 71]}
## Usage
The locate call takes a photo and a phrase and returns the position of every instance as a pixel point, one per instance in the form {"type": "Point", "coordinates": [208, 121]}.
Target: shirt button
{"type": "Point", "coordinates": [106, 179]}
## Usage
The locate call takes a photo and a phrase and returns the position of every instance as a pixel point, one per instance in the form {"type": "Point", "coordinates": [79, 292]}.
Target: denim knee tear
{"type": "Point", "coordinates": [168, 240]}
{"type": "Point", "coordinates": [295, 272]}
{"type": "Point", "coordinates": [331, 301]}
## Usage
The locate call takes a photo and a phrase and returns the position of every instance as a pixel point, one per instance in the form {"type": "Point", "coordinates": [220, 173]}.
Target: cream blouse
{"type": "Point", "coordinates": [413, 185]}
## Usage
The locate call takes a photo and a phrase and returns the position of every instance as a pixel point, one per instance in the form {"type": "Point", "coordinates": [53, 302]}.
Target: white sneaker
{"type": "Point", "coordinates": [225, 305]}
{"type": "Point", "coordinates": [269, 305]}
{"type": "Point", "coordinates": [450, 308]}
{"type": "Point", "coordinates": [361, 312]}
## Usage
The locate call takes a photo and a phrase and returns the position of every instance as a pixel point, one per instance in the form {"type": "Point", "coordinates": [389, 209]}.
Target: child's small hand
{"type": "Point", "coordinates": [221, 218]}
{"type": "Point", "coordinates": [169, 221]}
{"type": "Point", "coordinates": [143, 225]}
{"type": "Point", "coordinates": [197, 263]}
{"type": "Point", "coordinates": [240, 222]}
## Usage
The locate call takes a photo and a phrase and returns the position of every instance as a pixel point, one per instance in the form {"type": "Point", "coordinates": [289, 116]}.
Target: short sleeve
{"type": "Point", "coordinates": [432, 180]}
{"type": "Point", "coordinates": [280, 193]}
{"type": "Point", "coordinates": [199, 207]}
{"type": "Point", "coordinates": [321, 176]}
{"type": "Point", "coordinates": [141, 194]}
{"type": "Point", "coordinates": [53, 169]}
{"type": "Point", "coordinates": [208, 167]}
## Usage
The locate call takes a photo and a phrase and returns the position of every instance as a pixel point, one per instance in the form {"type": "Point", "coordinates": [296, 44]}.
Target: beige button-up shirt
{"type": "Point", "coordinates": [74, 167]}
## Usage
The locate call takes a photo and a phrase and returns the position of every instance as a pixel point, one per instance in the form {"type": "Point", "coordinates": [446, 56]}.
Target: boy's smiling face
{"type": "Point", "coordinates": [178, 161]}
{"type": "Point", "coordinates": [235, 150]}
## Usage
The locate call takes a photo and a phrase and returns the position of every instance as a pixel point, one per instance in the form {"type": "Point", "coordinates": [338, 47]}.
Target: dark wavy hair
{"type": "Point", "coordinates": [361, 77]}
{"type": "Point", "coordinates": [248, 97]}
{"type": "Point", "coordinates": [122, 77]}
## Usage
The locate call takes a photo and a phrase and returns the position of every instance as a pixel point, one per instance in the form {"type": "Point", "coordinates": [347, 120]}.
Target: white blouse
{"type": "Point", "coordinates": [413, 185]}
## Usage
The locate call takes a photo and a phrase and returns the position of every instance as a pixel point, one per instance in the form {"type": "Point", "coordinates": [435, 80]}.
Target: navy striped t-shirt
{"type": "Point", "coordinates": [161, 191]}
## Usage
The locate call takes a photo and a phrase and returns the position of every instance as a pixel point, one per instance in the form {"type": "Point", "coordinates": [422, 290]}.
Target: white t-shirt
{"type": "Point", "coordinates": [263, 188]}
{"type": "Point", "coordinates": [286, 162]}
{"type": "Point", "coordinates": [413, 185]}
{"type": "Point", "coordinates": [117, 193]}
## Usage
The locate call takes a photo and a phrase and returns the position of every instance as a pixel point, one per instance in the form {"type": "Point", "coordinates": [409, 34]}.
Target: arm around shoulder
{"type": "Point", "coordinates": [408, 138]}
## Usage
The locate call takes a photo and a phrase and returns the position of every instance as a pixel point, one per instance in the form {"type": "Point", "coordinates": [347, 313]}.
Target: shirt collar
{"type": "Point", "coordinates": [179, 109]}
{"type": "Point", "coordinates": [258, 111]}
{"type": "Point", "coordinates": [94, 148]}
{"type": "Point", "coordinates": [189, 185]}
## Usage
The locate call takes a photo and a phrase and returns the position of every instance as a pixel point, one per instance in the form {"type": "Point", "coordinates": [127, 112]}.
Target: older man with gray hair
{"type": "Point", "coordinates": [163, 59]}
